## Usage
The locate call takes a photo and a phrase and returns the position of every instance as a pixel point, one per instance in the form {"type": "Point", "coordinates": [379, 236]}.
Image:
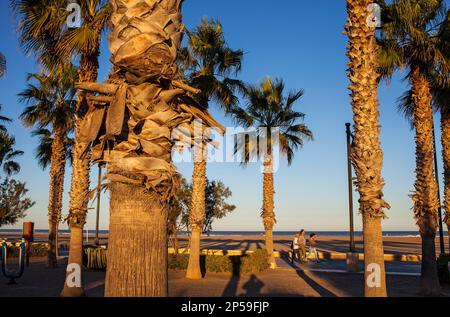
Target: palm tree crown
{"type": "Point", "coordinates": [208, 63]}
{"type": "Point", "coordinates": [96, 15]}
{"type": "Point", "coordinates": [8, 154]}
{"type": "Point", "coordinates": [268, 107]}
{"type": "Point", "coordinates": [415, 35]}
{"type": "Point", "coordinates": [50, 99]}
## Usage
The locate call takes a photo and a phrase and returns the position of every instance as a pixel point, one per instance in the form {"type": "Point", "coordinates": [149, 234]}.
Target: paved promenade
{"type": "Point", "coordinates": [325, 279]}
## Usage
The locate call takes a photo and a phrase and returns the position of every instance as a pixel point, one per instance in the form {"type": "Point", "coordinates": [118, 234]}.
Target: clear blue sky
{"type": "Point", "coordinates": [301, 42]}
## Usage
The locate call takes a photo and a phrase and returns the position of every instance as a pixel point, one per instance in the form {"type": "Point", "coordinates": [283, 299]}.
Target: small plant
{"type": "Point", "coordinates": [217, 263]}
{"type": "Point", "coordinates": [178, 262]}
{"type": "Point", "coordinates": [255, 262]}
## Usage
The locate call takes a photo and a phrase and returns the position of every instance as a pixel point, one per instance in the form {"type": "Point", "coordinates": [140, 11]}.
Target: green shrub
{"type": "Point", "coordinates": [443, 270]}
{"type": "Point", "coordinates": [178, 262]}
{"type": "Point", "coordinates": [217, 263]}
{"type": "Point", "coordinates": [255, 262]}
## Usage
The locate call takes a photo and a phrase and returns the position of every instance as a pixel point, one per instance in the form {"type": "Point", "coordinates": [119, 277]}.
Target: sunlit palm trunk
{"type": "Point", "coordinates": [197, 215]}
{"type": "Point", "coordinates": [57, 170]}
{"type": "Point", "coordinates": [367, 156]}
{"type": "Point", "coordinates": [175, 242]}
{"type": "Point", "coordinates": [80, 175]}
{"type": "Point", "coordinates": [268, 214]}
{"type": "Point", "coordinates": [445, 126]}
{"type": "Point", "coordinates": [142, 182]}
{"type": "Point", "coordinates": [425, 196]}
{"type": "Point", "coordinates": [137, 249]}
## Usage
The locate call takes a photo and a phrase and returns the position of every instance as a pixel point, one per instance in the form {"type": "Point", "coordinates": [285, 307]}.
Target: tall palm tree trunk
{"type": "Point", "coordinates": [425, 196]}
{"type": "Point", "coordinates": [80, 176]}
{"type": "Point", "coordinates": [57, 170]}
{"type": "Point", "coordinates": [176, 244]}
{"type": "Point", "coordinates": [445, 126]}
{"type": "Point", "coordinates": [197, 215]}
{"type": "Point", "coordinates": [268, 214]}
{"type": "Point", "coordinates": [137, 249]}
{"type": "Point", "coordinates": [145, 38]}
{"type": "Point", "coordinates": [367, 156]}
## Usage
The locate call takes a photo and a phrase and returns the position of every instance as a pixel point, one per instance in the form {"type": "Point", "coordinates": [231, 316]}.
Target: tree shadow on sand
{"type": "Point", "coordinates": [322, 291]}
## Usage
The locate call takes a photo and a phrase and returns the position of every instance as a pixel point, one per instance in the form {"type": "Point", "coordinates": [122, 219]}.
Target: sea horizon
{"type": "Point", "coordinates": [387, 233]}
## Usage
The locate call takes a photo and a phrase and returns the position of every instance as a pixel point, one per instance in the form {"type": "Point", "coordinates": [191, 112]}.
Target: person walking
{"type": "Point", "coordinates": [312, 247]}
{"type": "Point", "coordinates": [302, 246]}
{"type": "Point", "coordinates": [295, 249]}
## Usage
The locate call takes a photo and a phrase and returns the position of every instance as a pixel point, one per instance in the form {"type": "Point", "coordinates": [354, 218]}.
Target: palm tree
{"type": "Point", "coordinates": [442, 101]}
{"type": "Point", "coordinates": [145, 85]}
{"type": "Point", "coordinates": [8, 154]}
{"type": "Point", "coordinates": [44, 32]}
{"type": "Point", "coordinates": [40, 24]}
{"type": "Point", "coordinates": [410, 39]}
{"type": "Point", "coordinates": [208, 62]}
{"type": "Point", "coordinates": [268, 108]}
{"type": "Point", "coordinates": [43, 153]}
{"type": "Point", "coordinates": [50, 103]}
{"type": "Point", "coordinates": [367, 156]}
{"type": "Point", "coordinates": [84, 41]}
{"type": "Point", "coordinates": [2, 65]}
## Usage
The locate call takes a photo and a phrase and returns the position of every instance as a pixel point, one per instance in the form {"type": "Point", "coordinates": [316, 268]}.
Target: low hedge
{"type": "Point", "coordinates": [255, 262]}
{"type": "Point", "coordinates": [94, 258]}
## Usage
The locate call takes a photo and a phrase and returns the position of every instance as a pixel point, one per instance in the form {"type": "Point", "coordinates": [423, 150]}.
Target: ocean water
{"type": "Point", "coordinates": [252, 233]}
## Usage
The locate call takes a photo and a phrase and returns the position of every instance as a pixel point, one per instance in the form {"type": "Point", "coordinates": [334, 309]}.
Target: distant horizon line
{"type": "Point", "coordinates": [221, 230]}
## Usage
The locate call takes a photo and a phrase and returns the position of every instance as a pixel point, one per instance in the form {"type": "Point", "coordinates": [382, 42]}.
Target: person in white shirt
{"type": "Point", "coordinates": [295, 248]}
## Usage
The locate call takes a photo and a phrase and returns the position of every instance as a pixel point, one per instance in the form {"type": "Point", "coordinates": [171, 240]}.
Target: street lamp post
{"type": "Point", "coordinates": [96, 241]}
{"type": "Point", "coordinates": [436, 174]}
{"type": "Point", "coordinates": [350, 187]}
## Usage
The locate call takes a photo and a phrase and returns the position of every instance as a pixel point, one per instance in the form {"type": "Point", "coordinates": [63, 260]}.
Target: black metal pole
{"type": "Point", "coordinates": [436, 174]}
{"type": "Point", "coordinates": [96, 241]}
{"type": "Point", "coordinates": [350, 187]}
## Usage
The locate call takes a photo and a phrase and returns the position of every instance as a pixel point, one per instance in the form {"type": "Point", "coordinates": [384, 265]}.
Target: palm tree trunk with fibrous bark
{"type": "Point", "coordinates": [445, 126]}
{"type": "Point", "coordinates": [137, 253]}
{"type": "Point", "coordinates": [197, 214]}
{"type": "Point", "coordinates": [80, 176]}
{"type": "Point", "coordinates": [131, 129]}
{"type": "Point", "coordinates": [57, 170]}
{"type": "Point", "coordinates": [268, 214]}
{"type": "Point", "coordinates": [425, 196]}
{"type": "Point", "coordinates": [142, 178]}
{"type": "Point", "coordinates": [367, 156]}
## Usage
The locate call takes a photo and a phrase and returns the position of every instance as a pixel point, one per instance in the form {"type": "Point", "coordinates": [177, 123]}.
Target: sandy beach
{"type": "Point", "coordinates": [392, 245]}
